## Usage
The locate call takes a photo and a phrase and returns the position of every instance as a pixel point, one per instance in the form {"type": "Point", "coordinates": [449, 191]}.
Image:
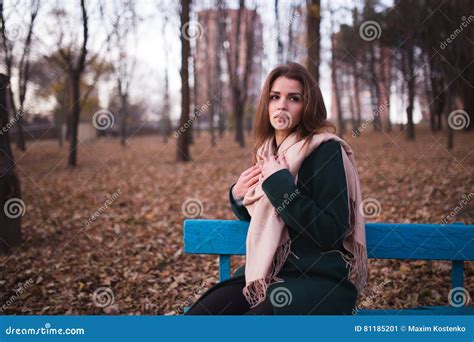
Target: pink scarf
{"type": "Point", "coordinates": [268, 241]}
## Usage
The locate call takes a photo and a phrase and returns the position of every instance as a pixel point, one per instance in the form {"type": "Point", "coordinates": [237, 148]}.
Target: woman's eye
{"type": "Point", "coordinates": [273, 97]}
{"type": "Point", "coordinates": [295, 99]}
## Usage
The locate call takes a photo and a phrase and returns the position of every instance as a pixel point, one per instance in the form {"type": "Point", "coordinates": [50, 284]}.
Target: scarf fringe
{"type": "Point", "coordinates": [357, 264]}
{"type": "Point", "coordinates": [359, 267]}
{"type": "Point", "coordinates": [256, 291]}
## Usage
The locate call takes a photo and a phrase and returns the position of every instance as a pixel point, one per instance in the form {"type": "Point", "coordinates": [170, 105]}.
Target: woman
{"type": "Point", "coordinates": [305, 251]}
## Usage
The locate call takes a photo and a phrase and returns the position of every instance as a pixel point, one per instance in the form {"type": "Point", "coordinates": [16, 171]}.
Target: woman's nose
{"type": "Point", "coordinates": [282, 104]}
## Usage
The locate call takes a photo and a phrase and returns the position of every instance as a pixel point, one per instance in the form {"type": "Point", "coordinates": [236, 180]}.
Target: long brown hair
{"type": "Point", "coordinates": [314, 118]}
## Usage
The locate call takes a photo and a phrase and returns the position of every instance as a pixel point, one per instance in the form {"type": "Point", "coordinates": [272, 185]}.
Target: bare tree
{"type": "Point", "coordinates": [219, 70]}
{"type": "Point", "coordinates": [74, 56]}
{"type": "Point", "coordinates": [278, 32]}
{"type": "Point", "coordinates": [23, 67]}
{"type": "Point", "coordinates": [385, 66]}
{"type": "Point", "coordinates": [239, 72]}
{"type": "Point", "coordinates": [125, 25]}
{"type": "Point", "coordinates": [165, 122]}
{"type": "Point", "coordinates": [290, 53]}
{"type": "Point", "coordinates": [10, 194]}
{"type": "Point", "coordinates": [210, 41]}
{"type": "Point", "coordinates": [336, 86]}
{"type": "Point", "coordinates": [182, 151]}
{"type": "Point", "coordinates": [335, 77]}
{"type": "Point", "coordinates": [75, 64]}
{"type": "Point", "coordinates": [313, 36]}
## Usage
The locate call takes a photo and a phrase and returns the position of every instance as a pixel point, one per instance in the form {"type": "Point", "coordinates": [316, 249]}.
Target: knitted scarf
{"type": "Point", "coordinates": [268, 243]}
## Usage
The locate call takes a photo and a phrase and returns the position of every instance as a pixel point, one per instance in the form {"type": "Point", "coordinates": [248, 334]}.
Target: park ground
{"type": "Point", "coordinates": [116, 220]}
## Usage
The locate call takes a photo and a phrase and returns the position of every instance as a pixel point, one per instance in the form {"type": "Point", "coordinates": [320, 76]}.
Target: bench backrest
{"type": "Point", "coordinates": [404, 241]}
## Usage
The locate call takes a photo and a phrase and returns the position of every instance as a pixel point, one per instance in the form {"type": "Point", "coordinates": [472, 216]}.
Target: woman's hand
{"type": "Point", "coordinates": [272, 165]}
{"type": "Point", "coordinates": [248, 180]}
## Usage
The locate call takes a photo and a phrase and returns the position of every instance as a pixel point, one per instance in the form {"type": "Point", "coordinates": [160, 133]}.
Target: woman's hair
{"type": "Point", "coordinates": [314, 118]}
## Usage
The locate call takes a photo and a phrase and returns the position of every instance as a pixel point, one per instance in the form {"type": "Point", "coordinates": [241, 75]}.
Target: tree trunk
{"type": "Point", "coordinates": [313, 21]}
{"type": "Point", "coordinates": [385, 89]}
{"type": "Point", "coordinates": [124, 112]}
{"type": "Point", "coordinates": [239, 127]}
{"type": "Point", "coordinates": [76, 110]}
{"type": "Point", "coordinates": [375, 93]}
{"type": "Point", "coordinates": [410, 79]}
{"type": "Point", "coordinates": [11, 211]}
{"type": "Point", "coordinates": [336, 88]}
{"type": "Point", "coordinates": [182, 152]}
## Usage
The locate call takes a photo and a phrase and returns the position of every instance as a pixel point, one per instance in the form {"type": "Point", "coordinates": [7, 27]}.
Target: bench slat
{"type": "Point", "coordinates": [384, 240]}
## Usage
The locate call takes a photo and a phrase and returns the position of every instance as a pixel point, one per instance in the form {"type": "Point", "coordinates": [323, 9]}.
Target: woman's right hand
{"type": "Point", "coordinates": [247, 181]}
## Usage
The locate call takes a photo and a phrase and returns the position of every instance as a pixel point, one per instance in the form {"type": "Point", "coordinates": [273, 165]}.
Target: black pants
{"type": "Point", "coordinates": [229, 300]}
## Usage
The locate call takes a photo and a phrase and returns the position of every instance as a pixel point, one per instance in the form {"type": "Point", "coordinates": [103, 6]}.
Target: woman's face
{"type": "Point", "coordinates": [285, 108]}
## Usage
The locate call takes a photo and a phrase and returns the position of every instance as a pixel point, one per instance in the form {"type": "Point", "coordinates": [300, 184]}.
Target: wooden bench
{"type": "Point", "coordinates": [453, 242]}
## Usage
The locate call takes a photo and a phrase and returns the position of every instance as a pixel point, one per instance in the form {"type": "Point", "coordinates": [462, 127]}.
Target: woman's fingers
{"type": "Point", "coordinates": [249, 171]}
{"type": "Point", "coordinates": [253, 187]}
{"type": "Point", "coordinates": [252, 174]}
{"type": "Point", "coordinates": [253, 180]}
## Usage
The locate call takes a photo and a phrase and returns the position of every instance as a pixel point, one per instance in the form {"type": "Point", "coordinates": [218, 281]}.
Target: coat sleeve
{"type": "Point", "coordinates": [239, 209]}
{"type": "Point", "coordinates": [323, 216]}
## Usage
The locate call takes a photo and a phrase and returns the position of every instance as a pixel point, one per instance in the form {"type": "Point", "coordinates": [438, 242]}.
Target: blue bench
{"type": "Point", "coordinates": [453, 242]}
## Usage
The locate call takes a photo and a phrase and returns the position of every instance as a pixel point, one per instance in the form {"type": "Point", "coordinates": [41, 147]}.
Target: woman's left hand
{"type": "Point", "coordinates": [272, 165]}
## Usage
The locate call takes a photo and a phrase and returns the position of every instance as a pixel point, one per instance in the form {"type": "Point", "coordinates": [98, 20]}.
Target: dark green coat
{"type": "Point", "coordinates": [317, 219]}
